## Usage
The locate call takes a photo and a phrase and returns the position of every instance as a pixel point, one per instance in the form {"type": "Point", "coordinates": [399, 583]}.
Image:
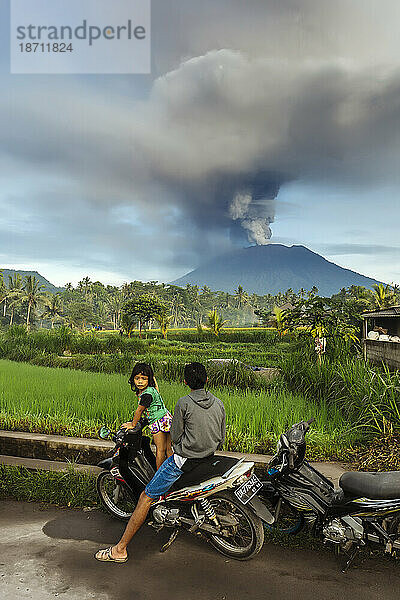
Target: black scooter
{"type": "Point", "coordinates": [365, 508]}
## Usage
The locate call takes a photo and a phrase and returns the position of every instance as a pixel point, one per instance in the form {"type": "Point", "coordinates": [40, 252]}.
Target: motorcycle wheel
{"type": "Point", "coordinates": [114, 497]}
{"type": "Point", "coordinates": [246, 536]}
{"type": "Point", "coordinates": [290, 520]}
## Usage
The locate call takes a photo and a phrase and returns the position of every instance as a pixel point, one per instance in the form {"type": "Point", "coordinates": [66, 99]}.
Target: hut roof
{"type": "Point", "coordinates": [393, 311]}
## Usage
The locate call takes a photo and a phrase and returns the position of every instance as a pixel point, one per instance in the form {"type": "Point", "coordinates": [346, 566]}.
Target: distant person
{"type": "Point", "coordinates": [151, 405]}
{"type": "Point", "coordinates": [198, 430]}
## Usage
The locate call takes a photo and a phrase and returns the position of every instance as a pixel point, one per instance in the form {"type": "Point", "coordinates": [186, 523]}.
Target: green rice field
{"type": "Point", "coordinates": [76, 403]}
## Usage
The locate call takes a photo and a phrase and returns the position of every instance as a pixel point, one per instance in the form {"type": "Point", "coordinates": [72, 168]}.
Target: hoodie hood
{"type": "Point", "coordinates": [202, 398]}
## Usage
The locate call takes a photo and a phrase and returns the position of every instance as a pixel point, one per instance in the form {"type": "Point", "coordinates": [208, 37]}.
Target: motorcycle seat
{"type": "Point", "coordinates": [209, 467]}
{"type": "Point", "coordinates": [379, 486]}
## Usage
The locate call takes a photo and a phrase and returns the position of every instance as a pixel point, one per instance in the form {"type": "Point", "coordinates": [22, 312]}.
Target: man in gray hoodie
{"type": "Point", "coordinates": [197, 431]}
{"type": "Point", "coordinates": [198, 426]}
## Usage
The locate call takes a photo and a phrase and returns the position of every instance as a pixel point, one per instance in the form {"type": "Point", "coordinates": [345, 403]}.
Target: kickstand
{"type": "Point", "coordinates": [171, 540]}
{"type": "Point", "coordinates": [350, 559]}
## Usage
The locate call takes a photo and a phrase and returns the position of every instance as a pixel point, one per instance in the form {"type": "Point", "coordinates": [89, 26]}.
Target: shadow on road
{"type": "Point", "coordinates": [193, 569]}
{"type": "Point", "coordinates": [78, 525]}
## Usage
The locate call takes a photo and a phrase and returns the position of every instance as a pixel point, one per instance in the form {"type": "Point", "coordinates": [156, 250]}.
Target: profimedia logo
{"type": "Point", "coordinates": [80, 36]}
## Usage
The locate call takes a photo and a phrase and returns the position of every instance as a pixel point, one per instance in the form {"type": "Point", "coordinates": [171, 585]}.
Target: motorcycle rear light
{"type": "Point", "coordinates": [243, 478]}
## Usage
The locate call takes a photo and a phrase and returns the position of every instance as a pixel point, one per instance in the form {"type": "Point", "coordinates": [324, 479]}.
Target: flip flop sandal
{"type": "Point", "coordinates": [106, 556]}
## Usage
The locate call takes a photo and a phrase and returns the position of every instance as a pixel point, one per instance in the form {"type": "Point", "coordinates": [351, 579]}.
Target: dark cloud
{"type": "Point", "coordinates": [249, 96]}
{"type": "Point", "coordinates": [294, 30]}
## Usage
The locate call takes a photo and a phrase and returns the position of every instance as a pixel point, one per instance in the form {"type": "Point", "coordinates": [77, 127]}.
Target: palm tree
{"type": "Point", "coordinates": [241, 296]}
{"type": "Point", "coordinates": [383, 295]}
{"type": "Point", "coordinates": [102, 313]}
{"type": "Point", "coordinates": [115, 304]}
{"type": "Point", "coordinates": [4, 294]}
{"type": "Point", "coordinates": [396, 291]}
{"type": "Point", "coordinates": [32, 294]}
{"type": "Point", "coordinates": [15, 293]}
{"type": "Point", "coordinates": [196, 304]}
{"type": "Point", "coordinates": [254, 300]}
{"type": "Point", "coordinates": [280, 317]}
{"type": "Point", "coordinates": [215, 322]}
{"type": "Point", "coordinates": [177, 308]}
{"type": "Point", "coordinates": [164, 321]}
{"type": "Point", "coordinates": [53, 308]}
{"type": "Point", "coordinates": [85, 286]}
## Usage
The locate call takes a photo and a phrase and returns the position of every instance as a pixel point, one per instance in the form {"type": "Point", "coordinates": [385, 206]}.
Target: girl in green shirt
{"type": "Point", "coordinates": [151, 405]}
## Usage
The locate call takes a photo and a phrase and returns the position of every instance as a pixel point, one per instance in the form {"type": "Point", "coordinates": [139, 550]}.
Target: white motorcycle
{"type": "Point", "coordinates": [216, 500]}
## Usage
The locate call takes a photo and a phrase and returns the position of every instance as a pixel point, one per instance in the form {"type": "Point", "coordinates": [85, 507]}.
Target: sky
{"type": "Point", "coordinates": [265, 121]}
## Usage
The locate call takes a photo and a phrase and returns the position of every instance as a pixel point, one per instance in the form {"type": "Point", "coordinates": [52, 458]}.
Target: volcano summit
{"type": "Point", "coordinates": [271, 269]}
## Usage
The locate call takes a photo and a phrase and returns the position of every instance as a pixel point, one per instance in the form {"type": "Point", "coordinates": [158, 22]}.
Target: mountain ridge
{"type": "Point", "coordinates": [274, 268]}
{"type": "Point", "coordinates": [48, 286]}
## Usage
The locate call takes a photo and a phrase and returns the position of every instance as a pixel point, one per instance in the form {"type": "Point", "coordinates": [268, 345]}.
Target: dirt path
{"type": "Point", "coordinates": [47, 553]}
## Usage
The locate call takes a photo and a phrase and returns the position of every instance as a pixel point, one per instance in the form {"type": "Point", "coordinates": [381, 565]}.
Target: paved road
{"type": "Point", "coordinates": [46, 553]}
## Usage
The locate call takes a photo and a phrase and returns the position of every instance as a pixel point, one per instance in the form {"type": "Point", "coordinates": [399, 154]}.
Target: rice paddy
{"type": "Point", "coordinates": [76, 403]}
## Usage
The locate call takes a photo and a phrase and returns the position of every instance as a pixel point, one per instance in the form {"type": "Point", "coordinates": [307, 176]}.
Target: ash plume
{"type": "Point", "coordinates": [254, 217]}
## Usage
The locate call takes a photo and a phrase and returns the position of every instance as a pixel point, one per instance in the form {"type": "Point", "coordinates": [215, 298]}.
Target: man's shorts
{"type": "Point", "coordinates": [163, 424]}
{"type": "Point", "coordinates": [166, 475]}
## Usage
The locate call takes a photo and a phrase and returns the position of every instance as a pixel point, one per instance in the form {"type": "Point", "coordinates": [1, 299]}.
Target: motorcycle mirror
{"type": "Point", "coordinates": [104, 432]}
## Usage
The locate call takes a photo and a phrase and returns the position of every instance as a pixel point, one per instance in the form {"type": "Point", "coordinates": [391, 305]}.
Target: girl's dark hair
{"type": "Point", "coordinates": [142, 369]}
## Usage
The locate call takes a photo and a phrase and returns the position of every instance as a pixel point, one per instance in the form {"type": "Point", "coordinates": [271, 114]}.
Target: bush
{"type": "Point", "coordinates": [16, 332]}
{"type": "Point", "coordinates": [368, 395]}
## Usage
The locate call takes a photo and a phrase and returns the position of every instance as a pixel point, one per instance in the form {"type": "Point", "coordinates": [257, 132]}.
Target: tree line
{"type": "Point", "coordinates": [91, 304]}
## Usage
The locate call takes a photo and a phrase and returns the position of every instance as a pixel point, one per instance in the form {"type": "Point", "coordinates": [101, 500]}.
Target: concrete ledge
{"type": "Point", "coordinates": [53, 447]}
{"type": "Point", "coordinates": [47, 465]}
{"type": "Point", "coordinates": [85, 451]}
{"type": "Point", "coordinates": [25, 448]}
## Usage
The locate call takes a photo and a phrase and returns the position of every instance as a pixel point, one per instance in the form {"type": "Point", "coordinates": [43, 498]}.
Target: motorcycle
{"type": "Point", "coordinates": [365, 508]}
{"type": "Point", "coordinates": [216, 500]}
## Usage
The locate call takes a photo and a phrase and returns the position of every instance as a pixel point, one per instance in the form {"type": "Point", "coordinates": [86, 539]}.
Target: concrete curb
{"type": "Point", "coordinates": [53, 447]}
{"type": "Point", "coordinates": [56, 446]}
{"type": "Point", "coordinates": [37, 464]}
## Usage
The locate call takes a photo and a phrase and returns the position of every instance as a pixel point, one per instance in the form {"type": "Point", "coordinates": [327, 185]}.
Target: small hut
{"type": "Point", "coordinates": [381, 336]}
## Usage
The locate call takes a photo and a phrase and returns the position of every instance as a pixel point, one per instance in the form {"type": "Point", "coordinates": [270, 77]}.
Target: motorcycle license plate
{"type": "Point", "coordinates": [248, 489]}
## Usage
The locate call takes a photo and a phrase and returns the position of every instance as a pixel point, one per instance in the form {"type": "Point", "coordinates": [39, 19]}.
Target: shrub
{"type": "Point", "coordinates": [368, 395]}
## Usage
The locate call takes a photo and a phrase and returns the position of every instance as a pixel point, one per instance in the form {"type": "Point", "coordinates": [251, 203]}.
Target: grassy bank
{"type": "Point", "coordinates": [67, 402]}
{"type": "Point", "coordinates": [71, 488]}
